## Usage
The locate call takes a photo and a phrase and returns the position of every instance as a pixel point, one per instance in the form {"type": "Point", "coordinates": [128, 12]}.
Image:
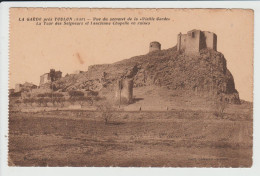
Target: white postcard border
{"type": "Point", "coordinates": [25, 171]}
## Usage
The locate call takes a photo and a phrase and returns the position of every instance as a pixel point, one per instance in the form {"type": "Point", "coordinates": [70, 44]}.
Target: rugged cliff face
{"type": "Point", "coordinates": [205, 73]}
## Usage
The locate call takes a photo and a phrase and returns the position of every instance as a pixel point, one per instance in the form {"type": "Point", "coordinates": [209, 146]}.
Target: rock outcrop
{"type": "Point", "coordinates": [205, 73]}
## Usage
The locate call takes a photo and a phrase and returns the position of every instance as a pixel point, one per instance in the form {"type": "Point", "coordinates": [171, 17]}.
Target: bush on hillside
{"type": "Point", "coordinates": [92, 93]}
{"type": "Point", "coordinates": [76, 93]}
{"type": "Point", "coordinates": [50, 95]}
{"type": "Point", "coordinates": [220, 107]}
{"type": "Point", "coordinates": [18, 102]}
{"type": "Point", "coordinates": [106, 110]}
{"type": "Point", "coordinates": [15, 94]}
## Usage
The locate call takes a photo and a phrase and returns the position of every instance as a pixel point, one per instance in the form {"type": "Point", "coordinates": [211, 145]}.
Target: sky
{"type": "Point", "coordinates": [34, 49]}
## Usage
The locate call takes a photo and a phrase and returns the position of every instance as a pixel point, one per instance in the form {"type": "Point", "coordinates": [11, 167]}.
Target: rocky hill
{"type": "Point", "coordinates": [205, 73]}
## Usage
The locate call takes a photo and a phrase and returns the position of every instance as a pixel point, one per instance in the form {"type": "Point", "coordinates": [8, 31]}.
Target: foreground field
{"type": "Point", "coordinates": [171, 139]}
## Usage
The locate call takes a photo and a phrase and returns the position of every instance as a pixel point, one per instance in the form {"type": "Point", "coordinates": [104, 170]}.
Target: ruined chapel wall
{"type": "Point", "coordinates": [125, 89]}
{"type": "Point", "coordinates": [181, 41]}
{"type": "Point", "coordinates": [44, 79]}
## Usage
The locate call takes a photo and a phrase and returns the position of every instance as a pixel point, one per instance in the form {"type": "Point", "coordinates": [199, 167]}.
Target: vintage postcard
{"type": "Point", "coordinates": [131, 87]}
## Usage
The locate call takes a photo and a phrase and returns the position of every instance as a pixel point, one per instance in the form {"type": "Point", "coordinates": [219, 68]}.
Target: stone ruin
{"type": "Point", "coordinates": [196, 40]}
{"type": "Point", "coordinates": [154, 46]}
{"type": "Point", "coordinates": [124, 91]}
{"type": "Point", "coordinates": [205, 72]}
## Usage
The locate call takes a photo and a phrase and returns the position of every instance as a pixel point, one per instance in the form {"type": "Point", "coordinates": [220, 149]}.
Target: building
{"type": "Point", "coordinates": [46, 77]}
{"type": "Point", "coordinates": [24, 87]}
{"type": "Point", "coordinates": [154, 46]}
{"type": "Point", "coordinates": [18, 88]}
{"type": "Point", "coordinates": [196, 40]}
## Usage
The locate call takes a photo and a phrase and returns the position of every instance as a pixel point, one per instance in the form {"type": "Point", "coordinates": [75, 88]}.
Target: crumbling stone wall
{"type": "Point", "coordinates": [124, 91]}
{"type": "Point", "coordinates": [181, 43]}
{"type": "Point", "coordinates": [45, 78]}
{"type": "Point", "coordinates": [193, 42]}
{"type": "Point", "coordinates": [211, 40]}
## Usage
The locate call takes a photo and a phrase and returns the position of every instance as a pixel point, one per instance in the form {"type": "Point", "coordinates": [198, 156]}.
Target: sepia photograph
{"type": "Point", "coordinates": [130, 87]}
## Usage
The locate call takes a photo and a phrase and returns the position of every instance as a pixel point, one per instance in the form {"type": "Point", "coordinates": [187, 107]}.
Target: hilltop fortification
{"type": "Point", "coordinates": [196, 40]}
{"type": "Point", "coordinates": [194, 66]}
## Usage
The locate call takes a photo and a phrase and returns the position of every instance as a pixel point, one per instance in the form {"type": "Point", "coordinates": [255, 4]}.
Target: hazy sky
{"type": "Point", "coordinates": [34, 49]}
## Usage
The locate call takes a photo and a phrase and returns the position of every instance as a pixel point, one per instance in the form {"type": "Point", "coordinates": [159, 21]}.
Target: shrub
{"type": "Point", "coordinates": [90, 100]}
{"type": "Point", "coordinates": [220, 107]}
{"type": "Point", "coordinates": [31, 101]}
{"type": "Point", "coordinates": [92, 93]}
{"type": "Point", "coordinates": [55, 100]}
{"type": "Point", "coordinates": [72, 100]}
{"type": "Point", "coordinates": [61, 101]}
{"type": "Point", "coordinates": [76, 93]}
{"type": "Point", "coordinates": [39, 101]}
{"type": "Point", "coordinates": [46, 100]}
{"type": "Point", "coordinates": [106, 111]}
{"type": "Point", "coordinates": [15, 94]}
{"type": "Point", "coordinates": [43, 101]}
{"type": "Point", "coordinates": [58, 95]}
{"type": "Point", "coordinates": [50, 95]}
{"type": "Point", "coordinates": [18, 102]}
{"type": "Point", "coordinates": [123, 101]}
{"type": "Point", "coordinates": [40, 95]}
{"type": "Point", "coordinates": [98, 99]}
{"type": "Point", "coordinates": [26, 101]}
{"type": "Point", "coordinates": [81, 100]}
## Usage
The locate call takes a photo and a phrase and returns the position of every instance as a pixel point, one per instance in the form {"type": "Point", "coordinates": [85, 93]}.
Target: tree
{"type": "Point", "coordinates": [52, 76]}
{"type": "Point", "coordinates": [26, 101]}
{"type": "Point", "coordinates": [55, 101]}
{"type": "Point", "coordinates": [46, 101]}
{"type": "Point", "coordinates": [40, 101]}
{"type": "Point", "coordinates": [72, 100]}
{"type": "Point", "coordinates": [90, 100]}
{"type": "Point", "coordinates": [58, 101]}
{"type": "Point", "coordinates": [62, 100]}
{"type": "Point", "coordinates": [106, 110]}
{"type": "Point", "coordinates": [82, 100]}
{"type": "Point", "coordinates": [31, 101]}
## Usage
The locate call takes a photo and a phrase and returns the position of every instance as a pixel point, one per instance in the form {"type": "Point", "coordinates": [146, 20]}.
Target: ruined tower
{"type": "Point", "coordinates": [124, 91]}
{"type": "Point", "coordinates": [154, 46]}
{"type": "Point", "coordinates": [196, 40]}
